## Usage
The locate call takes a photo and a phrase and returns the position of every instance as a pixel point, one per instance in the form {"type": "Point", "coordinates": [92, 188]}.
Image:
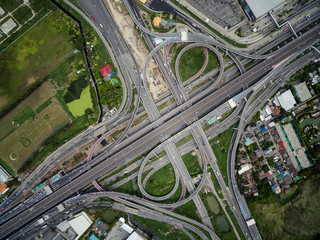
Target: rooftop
{"type": "Point", "coordinates": [302, 91]}
{"type": "Point", "coordinates": [156, 21]}
{"type": "Point", "coordinates": [261, 7]}
{"type": "Point", "coordinates": [287, 100]}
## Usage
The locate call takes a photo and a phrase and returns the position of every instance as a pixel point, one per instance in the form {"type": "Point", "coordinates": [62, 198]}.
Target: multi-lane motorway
{"type": "Point", "coordinates": [169, 127]}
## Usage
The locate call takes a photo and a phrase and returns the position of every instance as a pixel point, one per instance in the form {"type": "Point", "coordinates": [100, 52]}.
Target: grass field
{"type": "Point", "coordinates": [161, 182]}
{"type": "Point", "coordinates": [78, 107]}
{"type": "Point", "coordinates": [298, 219]}
{"type": "Point", "coordinates": [213, 205]}
{"type": "Point", "coordinates": [126, 188]}
{"type": "Point", "coordinates": [109, 216]}
{"type": "Point", "coordinates": [191, 161]}
{"type": "Point", "coordinates": [23, 129]}
{"type": "Point", "coordinates": [22, 14]}
{"type": "Point", "coordinates": [160, 229]}
{"type": "Point", "coordinates": [9, 5]}
{"type": "Point", "coordinates": [34, 56]}
{"type": "Point", "coordinates": [212, 63]}
{"type": "Point", "coordinates": [191, 62]}
{"type": "Point", "coordinates": [189, 210]}
{"type": "Point", "coordinates": [220, 146]}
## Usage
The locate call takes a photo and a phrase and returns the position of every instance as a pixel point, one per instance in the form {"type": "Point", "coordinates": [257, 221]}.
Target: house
{"type": "Point", "coordinates": [156, 21]}
{"type": "Point", "coordinates": [3, 188]}
{"type": "Point", "coordinates": [106, 70]}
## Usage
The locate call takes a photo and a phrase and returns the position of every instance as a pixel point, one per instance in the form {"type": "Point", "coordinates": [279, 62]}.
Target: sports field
{"type": "Point", "coordinates": [33, 57]}
{"type": "Point", "coordinates": [30, 123]}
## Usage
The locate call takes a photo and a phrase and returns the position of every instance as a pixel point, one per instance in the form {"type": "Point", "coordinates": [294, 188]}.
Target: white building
{"type": "Point", "coordinates": [4, 175]}
{"type": "Point", "coordinates": [245, 168]}
{"type": "Point", "coordinates": [287, 100]}
{"type": "Point", "coordinates": [261, 7]}
{"type": "Point", "coordinates": [8, 26]}
{"type": "Point", "coordinates": [302, 91]}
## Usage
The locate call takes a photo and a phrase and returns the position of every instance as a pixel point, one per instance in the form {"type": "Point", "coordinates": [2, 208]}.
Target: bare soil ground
{"type": "Point", "coordinates": [139, 50]}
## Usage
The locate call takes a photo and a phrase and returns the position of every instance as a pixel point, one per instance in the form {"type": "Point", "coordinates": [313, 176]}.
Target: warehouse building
{"type": "Point", "coordinates": [302, 91]}
{"type": "Point", "coordinates": [287, 100]}
{"type": "Point", "coordinates": [255, 9]}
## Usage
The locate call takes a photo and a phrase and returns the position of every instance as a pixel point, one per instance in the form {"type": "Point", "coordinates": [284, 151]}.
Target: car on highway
{"type": "Point", "coordinates": [93, 18]}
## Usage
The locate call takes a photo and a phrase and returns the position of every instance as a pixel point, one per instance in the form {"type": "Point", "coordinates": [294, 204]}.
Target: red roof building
{"type": "Point", "coordinates": [281, 145]}
{"type": "Point", "coordinates": [3, 188]}
{"type": "Point", "coordinates": [106, 70]}
{"type": "Point", "coordinates": [268, 174]}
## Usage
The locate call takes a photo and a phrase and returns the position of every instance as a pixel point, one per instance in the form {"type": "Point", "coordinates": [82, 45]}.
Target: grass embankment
{"type": "Point", "coordinates": [160, 229]}
{"type": "Point", "coordinates": [295, 219]}
{"type": "Point", "coordinates": [161, 182]}
{"type": "Point", "coordinates": [33, 57]}
{"type": "Point", "coordinates": [213, 62]}
{"type": "Point", "coordinates": [220, 147]}
{"type": "Point", "coordinates": [189, 210]}
{"type": "Point", "coordinates": [191, 161]}
{"type": "Point", "coordinates": [191, 62]}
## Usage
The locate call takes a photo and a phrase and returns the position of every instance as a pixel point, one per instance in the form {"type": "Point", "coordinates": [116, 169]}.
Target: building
{"type": "Point", "coordinates": [4, 175]}
{"type": "Point", "coordinates": [135, 236]}
{"type": "Point", "coordinates": [3, 188]}
{"type": "Point", "coordinates": [75, 227]}
{"type": "Point", "coordinates": [156, 21]}
{"type": "Point", "coordinates": [259, 8]}
{"type": "Point", "coordinates": [8, 26]}
{"type": "Point", "coordinates": [287, 100]}
{"type": "Point", "coordinates": [143, 1]}
{"type": "Point", "coordinates": [245, 168]}
{"type": "Point", "coordinates": [106, 70]}
{"type": "Point", "coordinates": [302, 91]}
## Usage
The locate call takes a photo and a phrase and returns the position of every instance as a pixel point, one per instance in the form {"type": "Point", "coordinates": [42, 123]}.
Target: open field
{"type": "Point", "coordinates": [160, 229]}
{"type": "Point", "coordinates": [33, 57]}
{"type": "Point", "coordinates": [161, 182]}
{"type": "Point", "coordinates": [126, 188]}
{"type": "Point", "coordinates": [78, 107]}
{"type": "Point", "coordinates": [191, 62]}
{"type": "Point", "coordinates": [189, 210]}
{"type": "Point", "coordinates": [220, 146]}
{"type": "Point", "coordinates": [22, 14]}
{"type": "Point", "coordinates": [25, 127]}
{"type": "Point", "coordinates": [213, 62]}
{"type": "Point", "coordinates": [213, 205]}
{"type": "Point", "coordinates": [191, 161]}
{"type": "Point", "coordinates": [297, 219]}
{"type": "Point", "coordinates": [9, 5]}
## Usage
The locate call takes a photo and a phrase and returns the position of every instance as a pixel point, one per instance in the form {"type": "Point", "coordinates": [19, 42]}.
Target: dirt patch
{"type": "Point", "coordinates": [31, 80]}
{"type": "Point", "coordinates": [126, 25]}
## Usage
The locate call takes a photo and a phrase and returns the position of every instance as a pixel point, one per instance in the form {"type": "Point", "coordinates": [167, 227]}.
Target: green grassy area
{"type": "Point", "coordinates": [191, 161]}
{"type": "Point", "coordinates": [189, 210]}
{"type": "Point", "coordinates": [191, 62]}
{"type": "Point", "coordinates": [175, 50]}
{"type": "Point", "coordinates": [33, 57]}
{"type": "Point", "coordinates": [78, 107]}
{"type": "Point", "coordinates": [276, 221]}
{"type": "Point", "coordinates": [43, 106]}
{"type": "Point", "coordinates": [161, 182]}
{"type": "Point", "coordinates": [26, 114]}
{"type": "Point", "coordinates": [10, 5]}
{"type": "Point", "coordinates": [23, 14]}
{"type": "Point", "coordinates": [125, 188]}
{"type": "Point", "coordinates": [160, 229]}
{"type": "Point", "coordinates": [109, 216]}
{"type": "Point", "coordinates": [212, 63]}
{"type": "Point", "coordinates": [220, 147]}
{"type": "Point", "coordinates": [184, 140]}
{"type": "Point", "coordinates": [216, 185]}
{"type": "Point", "coordinates": [213, 205]}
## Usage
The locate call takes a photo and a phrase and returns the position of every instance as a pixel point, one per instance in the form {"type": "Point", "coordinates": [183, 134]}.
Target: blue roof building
{"type": "Point", "coordinates": [93, 237]}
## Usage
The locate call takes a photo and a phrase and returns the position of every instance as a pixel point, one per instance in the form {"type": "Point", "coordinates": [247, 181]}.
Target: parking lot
{"type": "Point", "coordinates": [224, 12]}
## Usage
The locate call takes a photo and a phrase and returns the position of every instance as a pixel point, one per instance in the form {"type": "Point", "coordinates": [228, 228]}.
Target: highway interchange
{"type": "Point", "coordinates": [165, 127]}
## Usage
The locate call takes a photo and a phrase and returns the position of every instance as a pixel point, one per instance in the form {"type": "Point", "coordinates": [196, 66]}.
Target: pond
{"type": "Point", "coordinates": [75, 89]}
